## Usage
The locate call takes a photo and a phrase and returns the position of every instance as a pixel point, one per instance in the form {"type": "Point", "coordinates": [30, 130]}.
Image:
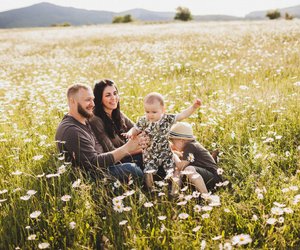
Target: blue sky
{"type": "Point", "coordinates": [197, 7]}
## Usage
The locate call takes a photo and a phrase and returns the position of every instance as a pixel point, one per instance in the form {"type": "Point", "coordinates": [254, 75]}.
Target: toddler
{"type": "Point", "coordinates": [156, 123]}
{"type": "Point", "coordinates": [200, 167]}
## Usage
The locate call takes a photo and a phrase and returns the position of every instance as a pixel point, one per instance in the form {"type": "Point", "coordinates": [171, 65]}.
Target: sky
{"type": "Point", "coordinates": [197, 7]}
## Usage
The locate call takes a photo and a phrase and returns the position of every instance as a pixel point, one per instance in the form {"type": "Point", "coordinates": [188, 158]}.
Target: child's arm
{"type": "Point", "coordinates": [190, 110]}
{"type": "Point", "coordinates": [131, 133]}
{"type": "Point", "coordinates": [180, 165]}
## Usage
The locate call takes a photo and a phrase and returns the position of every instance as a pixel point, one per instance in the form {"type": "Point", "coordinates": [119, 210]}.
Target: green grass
{"type": "Point", "coordinates": [247, 75]}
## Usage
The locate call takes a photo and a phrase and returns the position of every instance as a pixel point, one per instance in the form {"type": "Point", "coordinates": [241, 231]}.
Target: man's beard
{"type": "Point", "coordinates": [84, 113]}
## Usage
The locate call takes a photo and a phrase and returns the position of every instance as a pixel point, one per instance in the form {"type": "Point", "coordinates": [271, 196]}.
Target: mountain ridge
{"type": "Point", "coordinates": [46, 14]}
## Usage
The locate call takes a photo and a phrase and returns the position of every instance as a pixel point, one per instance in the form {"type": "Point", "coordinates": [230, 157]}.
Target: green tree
{"type": "Point", "coordinates": [273, 14]}
{"type": "Point", "coordinates": [288, 16]}
{"type": "Point", "coordinates": [183, 14]}
{"type": "Point", "coordinates": [122, 19]}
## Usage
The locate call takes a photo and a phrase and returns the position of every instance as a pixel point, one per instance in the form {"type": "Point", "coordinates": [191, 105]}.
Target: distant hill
{"type": "Point", "coordinates": [294, 11]}
{"type": "Point", "coordinates": [46, 14]}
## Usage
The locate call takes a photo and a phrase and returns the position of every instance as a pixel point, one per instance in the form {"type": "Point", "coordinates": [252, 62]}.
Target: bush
{"type": "Point", "coordinates": [122, 19]}
{"type": "Point", "coordinates": [288, 16]}
{"type": "Point", "coordinates": [274, 14]}
{"type": "Point", "coordinates": [183, 14]}
{"type": "Point", "coordinates": [65, 24]}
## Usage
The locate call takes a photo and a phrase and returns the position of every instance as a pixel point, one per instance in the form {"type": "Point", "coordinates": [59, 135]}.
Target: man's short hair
{"type": "Point", "coordinates": [154, 96]}
{"type": "Point", "coordinates": [73, 89]}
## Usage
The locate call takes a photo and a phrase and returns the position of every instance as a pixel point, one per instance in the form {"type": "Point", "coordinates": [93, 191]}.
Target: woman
{"type": "Point", "coordinates": [109, 122]}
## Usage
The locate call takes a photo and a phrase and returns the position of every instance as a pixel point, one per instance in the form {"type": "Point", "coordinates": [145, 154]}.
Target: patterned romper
{"type": "Point", "coordinates": [158, 153]}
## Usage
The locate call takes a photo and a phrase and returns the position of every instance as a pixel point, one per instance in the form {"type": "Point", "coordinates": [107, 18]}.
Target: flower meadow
{"type": "Point", "coordinates": [248, 77]}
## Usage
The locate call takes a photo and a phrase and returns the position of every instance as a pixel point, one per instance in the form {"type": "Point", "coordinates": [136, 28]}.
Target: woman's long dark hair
{"type": "Point", "coordinates": [115, 124]}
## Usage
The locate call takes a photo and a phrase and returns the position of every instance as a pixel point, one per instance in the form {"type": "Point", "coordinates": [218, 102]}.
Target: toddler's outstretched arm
{"type": "Point", "coordinates": [189, 111]}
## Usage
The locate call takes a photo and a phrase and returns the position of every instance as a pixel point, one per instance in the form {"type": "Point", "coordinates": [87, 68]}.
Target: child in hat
{"type": "Point", "coordinates": [196, 161]}
{"type": "Point", "coordinates": [158, 156]}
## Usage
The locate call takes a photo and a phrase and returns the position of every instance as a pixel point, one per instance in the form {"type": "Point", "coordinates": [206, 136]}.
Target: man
{"type": "Point", "coordinates": [76, 139]}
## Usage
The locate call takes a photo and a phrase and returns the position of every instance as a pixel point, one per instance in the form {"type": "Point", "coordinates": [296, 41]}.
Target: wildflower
{"type": "Point", "coordinates": [271, 221]}
{"type": "Point", "coordinates": [129, 193]}
{"type": "Point", "coordinates": [52, 175]}
{"type": "Point", "coordinates": [40, 175]}
{"type": "Point", "coordinates": [294, 188]}
{"type": "Point", "coordinates": [181, 203]}
{"type": "Point", "coordinates": [260, 196]}
{"type": "Point", "coordinates": [119, 207]}
{"type": "Point", "coordinates": [296, 199]}
{"type": "Point", "coordinates": [3, 191]}
{"type": "Point", "coordinates": [281, 219]}
{"type": "Point", "coordinates": [184, 189]}
{"type": "Point", "coordinates": [227, 246]}
{"type": "Point", "coordinates": [31, 237]}
{"type": "Point", "coordinates": [123, 222]}
{"type": "Point", "coordinates": [196, 229]}
{"type": "Point", "coordinates": [285, 190]}
{"type": "Point", "coordinates": [25, 197]}
{"type": "Point", "coordinates": [118, 200]}
{"type": "Point", "coordinates": [35, 214]}
{"type": "Point", "coordinates": [76, 183]}
{"type": "Point", "coordinates": [278, 204]}
{"type": "Point", "coordinates": [148, 204]}
{"type": "Point", "coordinates": [72, 224]}
{"type": "Point", "coordinates": [190, 157]}
{"type": "Point", "coordinates": [277, 210]}
{"type": "Point", "coordinates": [254, 217]}
{"type": "Point", "coordinates": [62, 169]}
{"type": "Point", "coordinates": [17, 173]}
{"type": "Point", "coordinates": [161, 194]}
{"type": "Point", "coordinates": [127, 209]}
{"type": "Point", "coordinates": [162, 228]}
{"type": "Point", "coordinates": [37, 157]}
{"type": "Point", "coordinates": [243, 87]}
{"type": "Point", "coordinates": [288, 210]}
{"type": "Point", "coordinates": [66, 197]}
{"type": "Point", "coordinates": [183, 216]}
{"type": "Point", "coordinates": [17, 189]}
{"type": "Point", "coordinates": [117, 184]}
{"type": "Point", "coordinates": [2, 200]}
{"type": "Point", "coordinates": [196, 194]}
{"type": "Point", "coordinates": [31, 192]}
{"type": "Point", "coordinates": [220, 171]}
{"type": "Point", "coordinates": [207, 208]}
{"type": "Point", "coordinates": [203, 245]}
{"type": "Point", "coordinates": [162, 217]}
{"type": "Point", "coordinates": [44, 245]}
{"type": "Point", "coordinates": [241, 239]}
{"type": "Point", "coordinates": [205, 216]}
{"type": "Point", "coordinates": [297, 84]}
{"type": "Point", "coordinates": [217, 237]}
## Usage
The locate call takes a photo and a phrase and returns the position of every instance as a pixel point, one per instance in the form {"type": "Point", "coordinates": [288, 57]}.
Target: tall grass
{"type": "Point", "coordinates": [247, 75]}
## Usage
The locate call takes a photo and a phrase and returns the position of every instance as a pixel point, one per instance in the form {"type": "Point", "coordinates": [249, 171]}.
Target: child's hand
{"type": "Point", "coordinates": [197, 103]}
{"type": "Point", "coordinates": [127, 135]}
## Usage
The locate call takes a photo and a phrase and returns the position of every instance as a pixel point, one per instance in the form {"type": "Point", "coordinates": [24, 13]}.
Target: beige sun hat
{"type": "Point", "coordinates": [181, 130]}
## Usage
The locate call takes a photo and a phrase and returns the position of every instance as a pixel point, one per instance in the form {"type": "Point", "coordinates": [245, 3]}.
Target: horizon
{"type": "Point", "coordinates": [214, 7]}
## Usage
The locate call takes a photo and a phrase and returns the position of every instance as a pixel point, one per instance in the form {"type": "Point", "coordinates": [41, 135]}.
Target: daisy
{"type": "Point", "coordinates": [119, 208]}
{"type": "Point", "coordinates": [66, 197]}
{"type": "Point", "coordinates": [123, 222]}
{"type": "Point", "coordinates": [162, 217]}
{"type": "Point", "coordinates": [76, 183]}
{"type": "Point", "coordinates": [72, 224]}
{"type": "Point", "coordinates": [271, 221]}
{"type": "Point", "coordinates": [44, 245]}
{"type": "Point", "coordinates": [197, 208]}
{"type": "Point", "coordinates": [190, 157]}
{"type": "Point", "coordinates": [31, 237]}
{"type": "Point", "coordinates": [183, 216]}
{"type": "Point", "coordinates": [196, 229]}
{"type": "Point", "coordinates": [35, 214]}
{"type": "Point", "coordinates": [148, 204]}
{"type": "Point", "coordinates": [241, 239]}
